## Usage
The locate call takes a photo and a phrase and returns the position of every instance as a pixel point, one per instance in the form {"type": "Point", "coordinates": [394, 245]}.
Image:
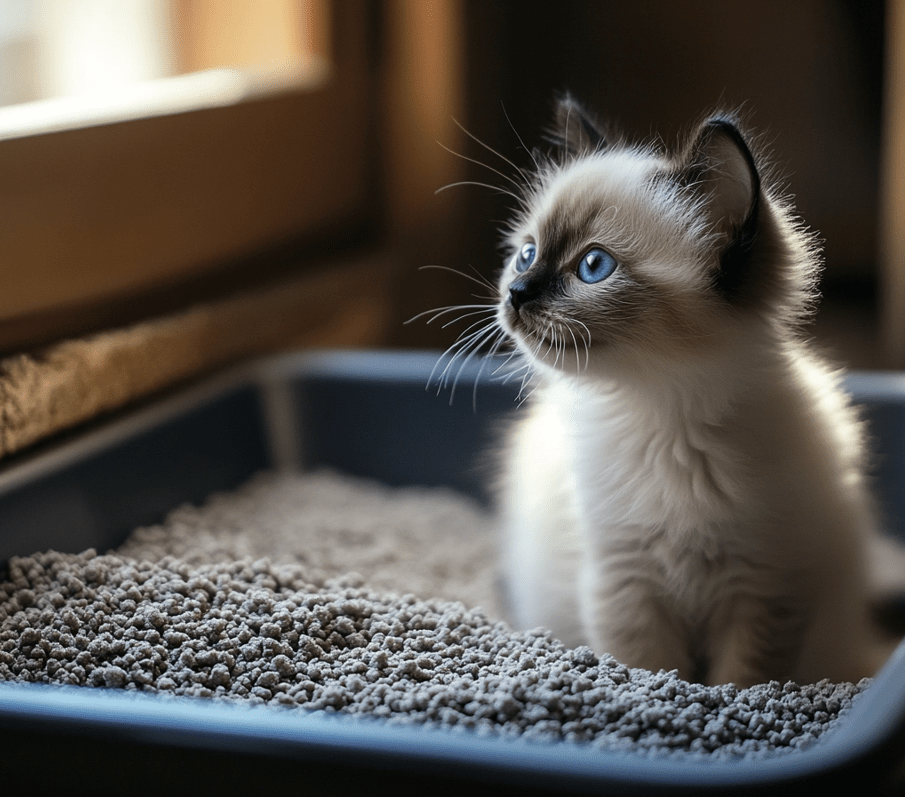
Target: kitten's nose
{"type": "Point", "coordinates": [523, 289]}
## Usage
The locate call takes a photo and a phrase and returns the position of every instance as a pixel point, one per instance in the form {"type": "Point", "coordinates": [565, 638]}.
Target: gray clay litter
{"type": "Point", "coordinates": [252, 597]}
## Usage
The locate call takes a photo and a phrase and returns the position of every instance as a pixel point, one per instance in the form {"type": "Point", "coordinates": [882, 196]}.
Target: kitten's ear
{"type": "Point", "coordinates": [576, 131]}
{"type": "Point", "coordinates": [719, 168]}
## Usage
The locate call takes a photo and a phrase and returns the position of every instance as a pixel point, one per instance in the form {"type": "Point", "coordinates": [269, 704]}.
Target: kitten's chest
{"type": "Point", "coordinates": [631, 467]}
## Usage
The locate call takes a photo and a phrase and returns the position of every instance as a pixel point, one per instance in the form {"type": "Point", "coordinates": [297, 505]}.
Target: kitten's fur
{"type": "Point", "coordinates": [686, 488]}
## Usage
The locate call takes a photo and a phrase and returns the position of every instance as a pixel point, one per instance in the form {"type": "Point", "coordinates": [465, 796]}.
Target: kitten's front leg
{"type": "Point", "coordinates": [623, 615]}
{"type": "Point", "coordinates": [753, 640]}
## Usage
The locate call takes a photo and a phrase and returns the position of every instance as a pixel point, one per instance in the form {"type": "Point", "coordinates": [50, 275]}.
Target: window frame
{"type": "Point", "coordinates": [106, 224]}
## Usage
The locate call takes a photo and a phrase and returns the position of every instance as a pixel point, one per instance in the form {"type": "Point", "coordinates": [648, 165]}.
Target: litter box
{"type": "Point", "coordinates": [367, 414]}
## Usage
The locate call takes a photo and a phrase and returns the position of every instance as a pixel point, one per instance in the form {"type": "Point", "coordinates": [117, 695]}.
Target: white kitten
{"type": "Point", "coordinates": [686, 490]}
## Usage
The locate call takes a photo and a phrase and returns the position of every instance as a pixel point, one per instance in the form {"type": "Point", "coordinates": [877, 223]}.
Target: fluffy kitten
{"type": "Point", "coordinates": [685, 489]}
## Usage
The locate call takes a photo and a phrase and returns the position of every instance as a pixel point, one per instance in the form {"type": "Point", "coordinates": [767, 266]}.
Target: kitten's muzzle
{"type": "Point", "coordinates": [523, 289]}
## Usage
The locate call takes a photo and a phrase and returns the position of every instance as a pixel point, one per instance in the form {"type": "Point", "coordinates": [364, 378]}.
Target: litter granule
{"type": "Point", "coordinates": [323, 592]}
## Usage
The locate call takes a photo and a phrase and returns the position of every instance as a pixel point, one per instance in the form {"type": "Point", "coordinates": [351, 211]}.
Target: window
{"type": "Point", "coordinates": [109, 216]}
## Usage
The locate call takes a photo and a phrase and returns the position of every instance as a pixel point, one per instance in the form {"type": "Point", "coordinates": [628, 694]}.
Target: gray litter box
{"type": "Point", "coordinates": [366, 414]}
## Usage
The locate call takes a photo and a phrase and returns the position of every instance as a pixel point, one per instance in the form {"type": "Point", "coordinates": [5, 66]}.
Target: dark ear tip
{"type": "Point", "coordinates": [729, 126]}
{"type": "Point", "coordinates": [724, 120]}
{"type": "Point", "coordinates": [726, 125]}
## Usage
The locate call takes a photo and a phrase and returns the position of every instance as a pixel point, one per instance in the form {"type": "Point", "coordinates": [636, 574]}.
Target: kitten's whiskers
{"type": "Point", "coordinates": [499, 340]}
{"type": "Point", "coordinates": [520, 141]}
{"type": "Point", "coordinates": [480, 279]}
{"type": "Point", "coordinates": [463, 350]}
{"type": "Point", "coordinates": [441, 311]}
{"type": "Point", "coordinates": [519, 186]}
{"type": "Point", "coordinates": [577, 353]}
{"type": "Point", "coordinates": [482, 311]}
{"type": "Point", "coordinates": [493, 151]}
{"type": "Point", "coordinates": [587, 343]}
{"type": "Point", "coordinates": [497, 188]}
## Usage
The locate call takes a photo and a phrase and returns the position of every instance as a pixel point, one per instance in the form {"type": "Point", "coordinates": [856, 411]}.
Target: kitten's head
{"type": "Point", "coordinates": [622, 252]}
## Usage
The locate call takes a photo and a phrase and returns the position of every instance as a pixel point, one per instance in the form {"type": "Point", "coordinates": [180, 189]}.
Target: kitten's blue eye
{"type": "Point", "coordinates": [525, 257]}
{"type": "Point", "coordinates": [596, 266]}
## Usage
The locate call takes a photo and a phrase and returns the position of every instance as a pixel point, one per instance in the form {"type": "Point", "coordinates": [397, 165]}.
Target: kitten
{"type": "Point", "coordinates": [685, 490]}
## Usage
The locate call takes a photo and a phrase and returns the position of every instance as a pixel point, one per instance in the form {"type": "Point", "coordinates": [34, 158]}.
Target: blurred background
{"type": "Point", "coordinates": [157, 155]}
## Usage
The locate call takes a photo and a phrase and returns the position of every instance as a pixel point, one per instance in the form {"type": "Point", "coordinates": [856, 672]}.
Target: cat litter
{"type": "Point", "coordinates": [323, 592]}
